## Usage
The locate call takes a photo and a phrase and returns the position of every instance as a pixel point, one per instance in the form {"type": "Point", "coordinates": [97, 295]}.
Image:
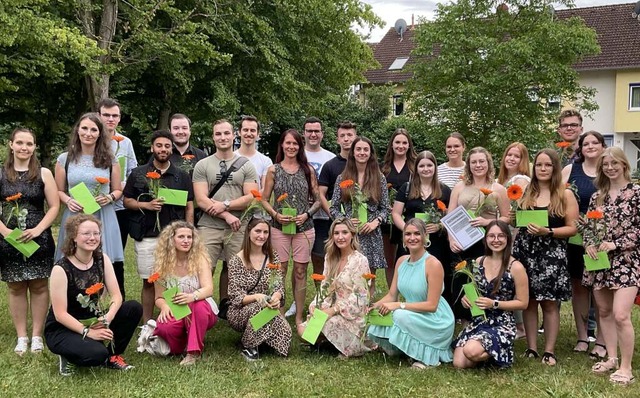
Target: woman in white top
{"type": "Point", "coordinates": [449, 172]}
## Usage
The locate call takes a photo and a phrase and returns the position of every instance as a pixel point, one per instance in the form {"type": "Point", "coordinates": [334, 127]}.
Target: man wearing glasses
{"type": "Point", "coordinates": [570, 129]}
{"type": "Point", "coordinates": [220, 226]}
{"type": "Point", "coordinates": [122, 148]}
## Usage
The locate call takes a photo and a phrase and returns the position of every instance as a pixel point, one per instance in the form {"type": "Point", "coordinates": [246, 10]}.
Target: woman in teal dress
{"type": "Point", "coordinates": [423, 325]}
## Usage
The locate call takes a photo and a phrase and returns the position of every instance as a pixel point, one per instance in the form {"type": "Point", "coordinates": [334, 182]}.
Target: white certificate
{"type": "Point", "coordinates": [458, 224]}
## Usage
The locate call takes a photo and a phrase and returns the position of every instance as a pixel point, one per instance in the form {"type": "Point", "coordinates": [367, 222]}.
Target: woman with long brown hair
{"type": "Point", "coordinates": [26, 186]}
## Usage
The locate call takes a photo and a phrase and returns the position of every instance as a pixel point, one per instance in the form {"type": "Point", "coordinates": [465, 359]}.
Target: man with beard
{"type": "Point", "coordinates": [150, 214]}
{"type": "Point", "coordinates": [184, 155]}
{"type": "Point", "coordinates": [249, 133]}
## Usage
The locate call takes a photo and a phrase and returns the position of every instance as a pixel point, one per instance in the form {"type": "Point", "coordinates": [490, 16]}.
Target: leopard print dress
{"type": "Point", "coordinates": [276, 333]}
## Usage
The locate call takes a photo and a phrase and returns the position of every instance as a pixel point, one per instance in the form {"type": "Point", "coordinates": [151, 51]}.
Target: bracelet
{"type": "Point", "coordinates": [85, 332]}
{"type": "Point", "coordinates": [113, 197]}
{"type": "Point", "coordinates": [308, 215]}
{"type": "Point", "coordinates": [195, 296]}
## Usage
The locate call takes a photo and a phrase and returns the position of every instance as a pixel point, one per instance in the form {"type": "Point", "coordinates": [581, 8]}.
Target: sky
{"type": "Point", "coordinates": [392, 10]}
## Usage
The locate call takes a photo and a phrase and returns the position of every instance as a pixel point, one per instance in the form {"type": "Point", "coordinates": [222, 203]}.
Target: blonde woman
{"type": "Point", "coordinates": [182, 260]}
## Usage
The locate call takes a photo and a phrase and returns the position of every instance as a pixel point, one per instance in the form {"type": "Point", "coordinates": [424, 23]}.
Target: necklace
{"type": "Point", "coordinates": [86, 264]}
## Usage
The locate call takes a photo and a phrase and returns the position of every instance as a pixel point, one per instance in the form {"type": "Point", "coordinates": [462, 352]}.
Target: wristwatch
{"type": "Point", "coordinates": [403, 305]}
{"type": "Point", "coordinates": [226, 204]}
{"type": "Point", "coordinates": [496, 303]}
{"type": "Point", "coordinates": [550, 233]}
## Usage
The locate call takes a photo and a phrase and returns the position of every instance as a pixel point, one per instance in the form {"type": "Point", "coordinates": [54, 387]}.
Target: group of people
{"type": "Point", "coordinates": [343, 212]}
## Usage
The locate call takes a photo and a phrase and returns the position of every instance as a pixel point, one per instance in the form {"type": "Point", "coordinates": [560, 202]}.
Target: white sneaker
{"type": "Point", "coordinates": [22, 346]}
{"type": "Point", "coordinates": [291, 311]}
{"type": "Point", "coordinates": [37, 345]}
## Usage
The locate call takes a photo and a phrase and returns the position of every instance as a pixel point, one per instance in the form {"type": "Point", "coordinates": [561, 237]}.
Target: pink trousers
{"type": "Point", "coordinates": [189, 331]}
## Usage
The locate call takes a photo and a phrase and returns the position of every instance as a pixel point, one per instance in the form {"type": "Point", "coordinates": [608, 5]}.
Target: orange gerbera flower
{"type": "Point", "coordinates": [153, 278]}
{"type": "Point", "coordinates": [317, 277]}
{"type": "Point", "coordinates": [346, 184]}
{"type": "Point", "coordinates": [95, 288]}
{"type": "Point", "coordinates": [154, 175]}
{"type": "Point", "coordinates": [461, 265]}
{"type": "Point", "coordinates": [389, 185]}
{"type": "Point", "coordinates": [117, 138]}
{"type": "Point", "coordinates": [256, 194]}
{"type": "Point", "coordinates": [102, 180]}
{"type": "Point", "coordinates": [514, 192]}
{"type": "Point", "coordinates": [441, 205]}
{"type": "Point", "coordinates": [13, 198]}
{"type": "Point", "coordinates": [188, 157]}
{"type": "Point", "coordinates": [563, 144]}
{"type": "Point", "coordinates": [282, 197]}
{"type": "Point", "coordinates": [595, 215]}
{"type": "Point", "coordinates": [273, 266]}
{"type": "Point", "coordinates": [369, 276]}
{"type": "Point", "coordinates": [486, 191]}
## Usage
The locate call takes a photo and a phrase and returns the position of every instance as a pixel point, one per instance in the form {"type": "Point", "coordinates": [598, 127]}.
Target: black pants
{"type": "Point", "coordinates": [88, 352]}
{"type": "Point", "coordinates": [118, 266]}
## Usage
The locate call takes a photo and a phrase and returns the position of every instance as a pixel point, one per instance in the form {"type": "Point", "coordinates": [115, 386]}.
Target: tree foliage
{"type": "Point", "coordinates": [489, 73]}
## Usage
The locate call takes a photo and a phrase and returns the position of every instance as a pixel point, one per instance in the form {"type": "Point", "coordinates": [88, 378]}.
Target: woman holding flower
{"type": "Point", "coordinates": [362, 185]}
{"type": "Point", "coordinates": [25, 188]}
{"type": "Point", "coordinates": [615, 205]}
{"type": "Point", "coordinates": [292, 180]}
{"type": "Point", "coordinates": [346, 299]}
{"type": "Point", "coordinates": [256, 281]}
{"type": "Point", "coordinates": [183, 261]}
{"type": "Point", "coordinates": [85, 272]}
{"type": "Point", "coordinates": [502, 285]}
{"type": "Point", "coordinates": [423, 325]}
{"type": "Point", "coordinates": [543, 251]}
{"type": "Point", "coordinates": [90, 160]}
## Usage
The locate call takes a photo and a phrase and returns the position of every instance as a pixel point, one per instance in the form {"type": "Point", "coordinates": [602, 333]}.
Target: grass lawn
{"type": "Point", "coordinates": [224, 373]}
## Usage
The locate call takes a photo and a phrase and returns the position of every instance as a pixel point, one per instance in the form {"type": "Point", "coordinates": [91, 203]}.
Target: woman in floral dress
{"type": "Point", "coordinates": [543, 251]}
{"type": "Point", "coordinates": [346, 290]}
{"type": "Point", "coordinates": [616, 201]}
{"type": "Point", "coordinates": [503, 288]}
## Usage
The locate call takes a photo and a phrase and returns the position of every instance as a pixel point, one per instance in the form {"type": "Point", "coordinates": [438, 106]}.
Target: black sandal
{"type": "Point", "coordinates": [581, 341]}
{"type": "Point", "coordinates": [547, 356]}
{"type": "Point", "coordinates": [595, 356]}
{"type": "Point", "coordinates": [529, 353]}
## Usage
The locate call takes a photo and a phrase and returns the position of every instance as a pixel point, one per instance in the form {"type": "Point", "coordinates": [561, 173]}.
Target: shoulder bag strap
{"type": "Point", "coordinates": [259, 274]}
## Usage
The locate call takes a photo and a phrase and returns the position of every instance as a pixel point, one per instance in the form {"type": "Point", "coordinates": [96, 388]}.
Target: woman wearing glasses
{"type": "Point", "coordinates": [73, 331]}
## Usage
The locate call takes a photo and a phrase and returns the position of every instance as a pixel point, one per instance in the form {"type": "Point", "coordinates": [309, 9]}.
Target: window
{"type": "Point", "coordinates": [399, 63]}
{"type": "Point", "coordinates": [608, 140]}
{"type": "Point", "coordinates": [634, 97]}
{"type": "Point", "coordinates": [398, 105]}
{"type": "Point", "coordinates": [553, 102]}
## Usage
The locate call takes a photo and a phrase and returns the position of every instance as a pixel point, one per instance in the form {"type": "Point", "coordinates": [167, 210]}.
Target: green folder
{"type": "Point", "coordinates": [289, 229]}
{"type": "Point", "coordinates": [576, 239]}
{"type": "Point", "coordinates": [262, 318]}
{"type": "Point", "coordinates": [174, 197]}
{"type": "Point", "coordinates": [82, 195]}
{"type": "Point", "coordinates": [27, 249]}
{"type": "Point", "coordinates": [472, 295]}
{"type": "Point", "coordinates": [314, 326]}
{"type": "Point", "coordinates": [89, 322]}
{"type": "Point", "coordinates": [422, 216]}
{"type": "Point", "coordinates": [374, 318]}
{"type": "Point", "coordinates": [179, 311]}
{"type": "Point", "coordinates": [122, 161]}
{"type": "Point", "coordinates": [596, 265]}
{"type": "Point", "coordinates": [526, 217]}
{"type": "Point", "coordinates": [363, 217]}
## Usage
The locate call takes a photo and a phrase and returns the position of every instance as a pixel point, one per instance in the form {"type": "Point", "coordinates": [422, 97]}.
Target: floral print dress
{"type": "Point", "coordinates": [622, 218]}
{"type": "Point", "coordinates": [497, 332]}
{"type": "Point", "coordinates": [348, 292]}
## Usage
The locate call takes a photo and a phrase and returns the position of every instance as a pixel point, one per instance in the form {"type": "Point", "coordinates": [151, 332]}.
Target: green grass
{"type": "Point", "coordinates": [223, 372]}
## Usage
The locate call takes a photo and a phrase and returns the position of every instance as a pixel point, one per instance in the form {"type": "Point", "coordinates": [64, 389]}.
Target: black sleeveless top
{"type": "Point", "coordinates": [585, 186]}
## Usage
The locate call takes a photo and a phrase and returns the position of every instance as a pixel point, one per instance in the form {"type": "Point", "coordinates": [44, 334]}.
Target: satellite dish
{"type": "Point", "coordinates": [636, 11]}
{"type": "Point", "coordinates": [400, 26]}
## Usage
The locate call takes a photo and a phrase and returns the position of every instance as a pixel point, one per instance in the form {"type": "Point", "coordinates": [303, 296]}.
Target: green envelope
{"type": "Point", "coordinates": [179, 310]}
{"type": "Point", "coordinates": [596, 265]}
{"type": "Point", "coordinates": [314, 326]}
{"type": "Point", "coordinates": [174, 197]}
{"type": "Point", "coordinates": [472, 294]}
{"type": "Point", "coordinates": [422, 216]}
{"type": "Point", "coordinates": [374, 318]}
{"type": "Point", "coordinates": [27, 249]}
{"type": "Point", "coordinates": [89, 322]}
{"type": "Point", "coordinates": [576, 239]}
{"type": "Point", "coordinates": [122, 161]}
{"type": "Point", "coordinates": [363, 217]}
{"type": "Point", "coordinates": [289, 229]}
{"type": "Point", "coordinates": [82, 195]}
{"type": "Point", "coordinates": [526, 217]}
{"type": "Point", "coordinates": [262, 318]}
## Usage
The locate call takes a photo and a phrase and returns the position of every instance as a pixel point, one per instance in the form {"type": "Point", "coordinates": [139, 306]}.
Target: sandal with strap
{"type": "Point", "coordinates": [595, 356]}
{"type": "Point", "coordinates": [547, 357]}
{"type": "Point", "coordinates": [529, 353]}
{"type": "Point", "coordinates": [604, 367]}
{"type": "Point", "coordinates": [621, 379]}
{"type": "Point", "coordinates": [575, 349]}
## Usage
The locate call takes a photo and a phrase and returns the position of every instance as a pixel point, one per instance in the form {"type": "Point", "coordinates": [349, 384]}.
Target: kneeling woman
{"type": "Point", "coordinates": [84, 266]}
{"type": "Point", "coordinates": [423, 326]}
{"type": "Point", "coordinates": [346, 287]}
{"type": "Point", "coordinates": [182, 260]}
{"type": "Point", "coordinates": [503, 287]}
{"type": "Point", "coordinates": [252, 287]}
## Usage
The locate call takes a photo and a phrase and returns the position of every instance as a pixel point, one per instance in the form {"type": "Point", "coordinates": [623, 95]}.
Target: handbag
{"type": "Point", "coordinates": [225, 303]}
